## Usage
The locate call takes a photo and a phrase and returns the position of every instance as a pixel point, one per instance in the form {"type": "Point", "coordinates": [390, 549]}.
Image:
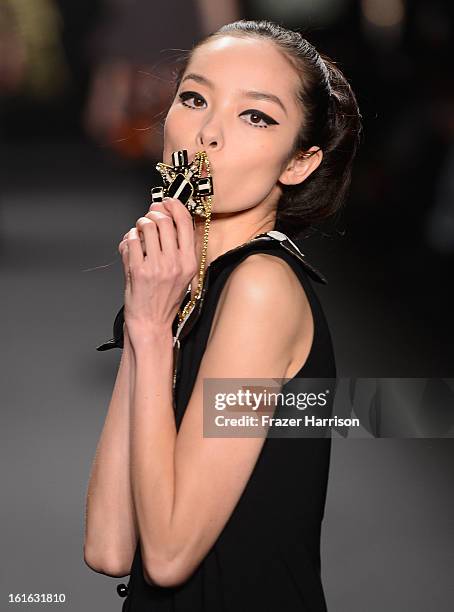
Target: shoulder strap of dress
{"type": "Point", "coordinates": [292, 248]}
{"type": "Point", "coordinates": [263, 242]}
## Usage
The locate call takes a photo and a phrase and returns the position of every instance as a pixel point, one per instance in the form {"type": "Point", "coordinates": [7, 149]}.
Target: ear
{"type": "Point", "coordinates": [300, 166]}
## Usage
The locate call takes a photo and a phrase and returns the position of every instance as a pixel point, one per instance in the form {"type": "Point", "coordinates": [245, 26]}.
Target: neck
{"type": "Point", "coordinates": [227, 231]}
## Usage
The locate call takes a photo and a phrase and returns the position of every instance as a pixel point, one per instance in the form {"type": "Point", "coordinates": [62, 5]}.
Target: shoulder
{"type": "Point", "coordinates": [263, 291]}
{"type": "Point", "coordinates": [266, 280]}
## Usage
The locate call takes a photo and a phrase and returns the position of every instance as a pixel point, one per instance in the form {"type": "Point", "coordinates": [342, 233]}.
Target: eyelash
{"type": "Point", "coordinates": [187, 95]}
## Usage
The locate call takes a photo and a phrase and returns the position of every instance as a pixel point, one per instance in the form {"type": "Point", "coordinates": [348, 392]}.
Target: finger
{"type": "Point", "coordinates": [184, 223]}
{"type": "Point", "coordinates": [149, 230]}
{"type": "Point", "coordinates": [142, 243]}
{"type": "Point", "coordinates": [134, 249]}
{"type": "Point", "coordinates": [167, 232]}
{"type": "Point", "coordinates": [123, 250]}
{"type": "Point", "coordinates": [151, 215]}
{"type": "Point", "coordinates": [159, 206]}
{"type": "Point", "coordinates": [125, 259]}
{"type": "Point", "coordinates": [155, 206]}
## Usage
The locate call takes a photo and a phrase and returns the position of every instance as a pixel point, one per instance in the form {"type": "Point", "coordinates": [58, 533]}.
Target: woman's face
{"type": "Point", "coordinates": [237, 101]}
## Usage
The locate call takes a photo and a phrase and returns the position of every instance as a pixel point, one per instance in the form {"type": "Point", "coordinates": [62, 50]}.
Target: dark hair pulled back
{"type": "Point", "coordinates": [332, 122]}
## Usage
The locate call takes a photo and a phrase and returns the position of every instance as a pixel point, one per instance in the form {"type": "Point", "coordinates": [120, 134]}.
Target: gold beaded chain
{"type": "Point", "coordinates": [207, 203]}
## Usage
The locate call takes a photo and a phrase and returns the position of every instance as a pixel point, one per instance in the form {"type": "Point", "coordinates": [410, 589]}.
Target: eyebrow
{"type": "Point", "coordinates": [256, 95]}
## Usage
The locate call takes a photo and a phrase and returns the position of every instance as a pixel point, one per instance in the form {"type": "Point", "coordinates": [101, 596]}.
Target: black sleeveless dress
{"type": "Point", "coordinates": [267, 557]}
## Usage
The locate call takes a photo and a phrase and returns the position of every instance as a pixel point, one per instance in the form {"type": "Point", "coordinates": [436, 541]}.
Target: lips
{"type": "Point", "coordinates": [204, 172]}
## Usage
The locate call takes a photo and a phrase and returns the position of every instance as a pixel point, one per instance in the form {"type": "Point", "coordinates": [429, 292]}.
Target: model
{"type": "Point", "coordinates": [224, 523]}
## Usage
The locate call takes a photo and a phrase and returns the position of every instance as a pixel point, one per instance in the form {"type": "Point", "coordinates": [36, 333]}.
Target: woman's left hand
{"type": "Point", "coordinates": [156, 283]}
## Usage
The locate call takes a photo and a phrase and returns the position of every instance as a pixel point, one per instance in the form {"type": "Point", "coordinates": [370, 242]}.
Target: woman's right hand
{"type": "Point", "coordinates": [157, 206]}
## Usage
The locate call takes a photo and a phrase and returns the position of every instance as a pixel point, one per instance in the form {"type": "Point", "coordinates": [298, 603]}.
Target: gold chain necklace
{"type": "Point", "coordinates": [203, 159]}
{"type": "Point", "coordinates": [185, 182]}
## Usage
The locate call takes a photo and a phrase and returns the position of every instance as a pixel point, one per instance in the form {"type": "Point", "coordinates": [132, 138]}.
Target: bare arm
{"type": "Point", "coordinates": [186, 486]}
{"type": "Point", "coordinates": [110, 529]}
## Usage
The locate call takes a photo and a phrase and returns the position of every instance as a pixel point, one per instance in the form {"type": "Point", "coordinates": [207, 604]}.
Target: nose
{"type": "Point", "coordinates": [210, 136]}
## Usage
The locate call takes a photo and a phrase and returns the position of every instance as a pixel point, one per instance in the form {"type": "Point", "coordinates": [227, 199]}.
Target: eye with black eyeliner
{"type": "Point", "coordinates": [268, 120]}
{"type": "Point", "coordinates": [187, 95]}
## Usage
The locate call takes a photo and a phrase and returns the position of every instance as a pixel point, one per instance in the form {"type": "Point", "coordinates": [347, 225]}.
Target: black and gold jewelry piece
{"type": "Point", "coordinates": [185, 182]}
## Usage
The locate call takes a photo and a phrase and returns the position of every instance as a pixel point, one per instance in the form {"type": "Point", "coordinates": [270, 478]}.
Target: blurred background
{"type": "Point", "coordinates": [84, 88]}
